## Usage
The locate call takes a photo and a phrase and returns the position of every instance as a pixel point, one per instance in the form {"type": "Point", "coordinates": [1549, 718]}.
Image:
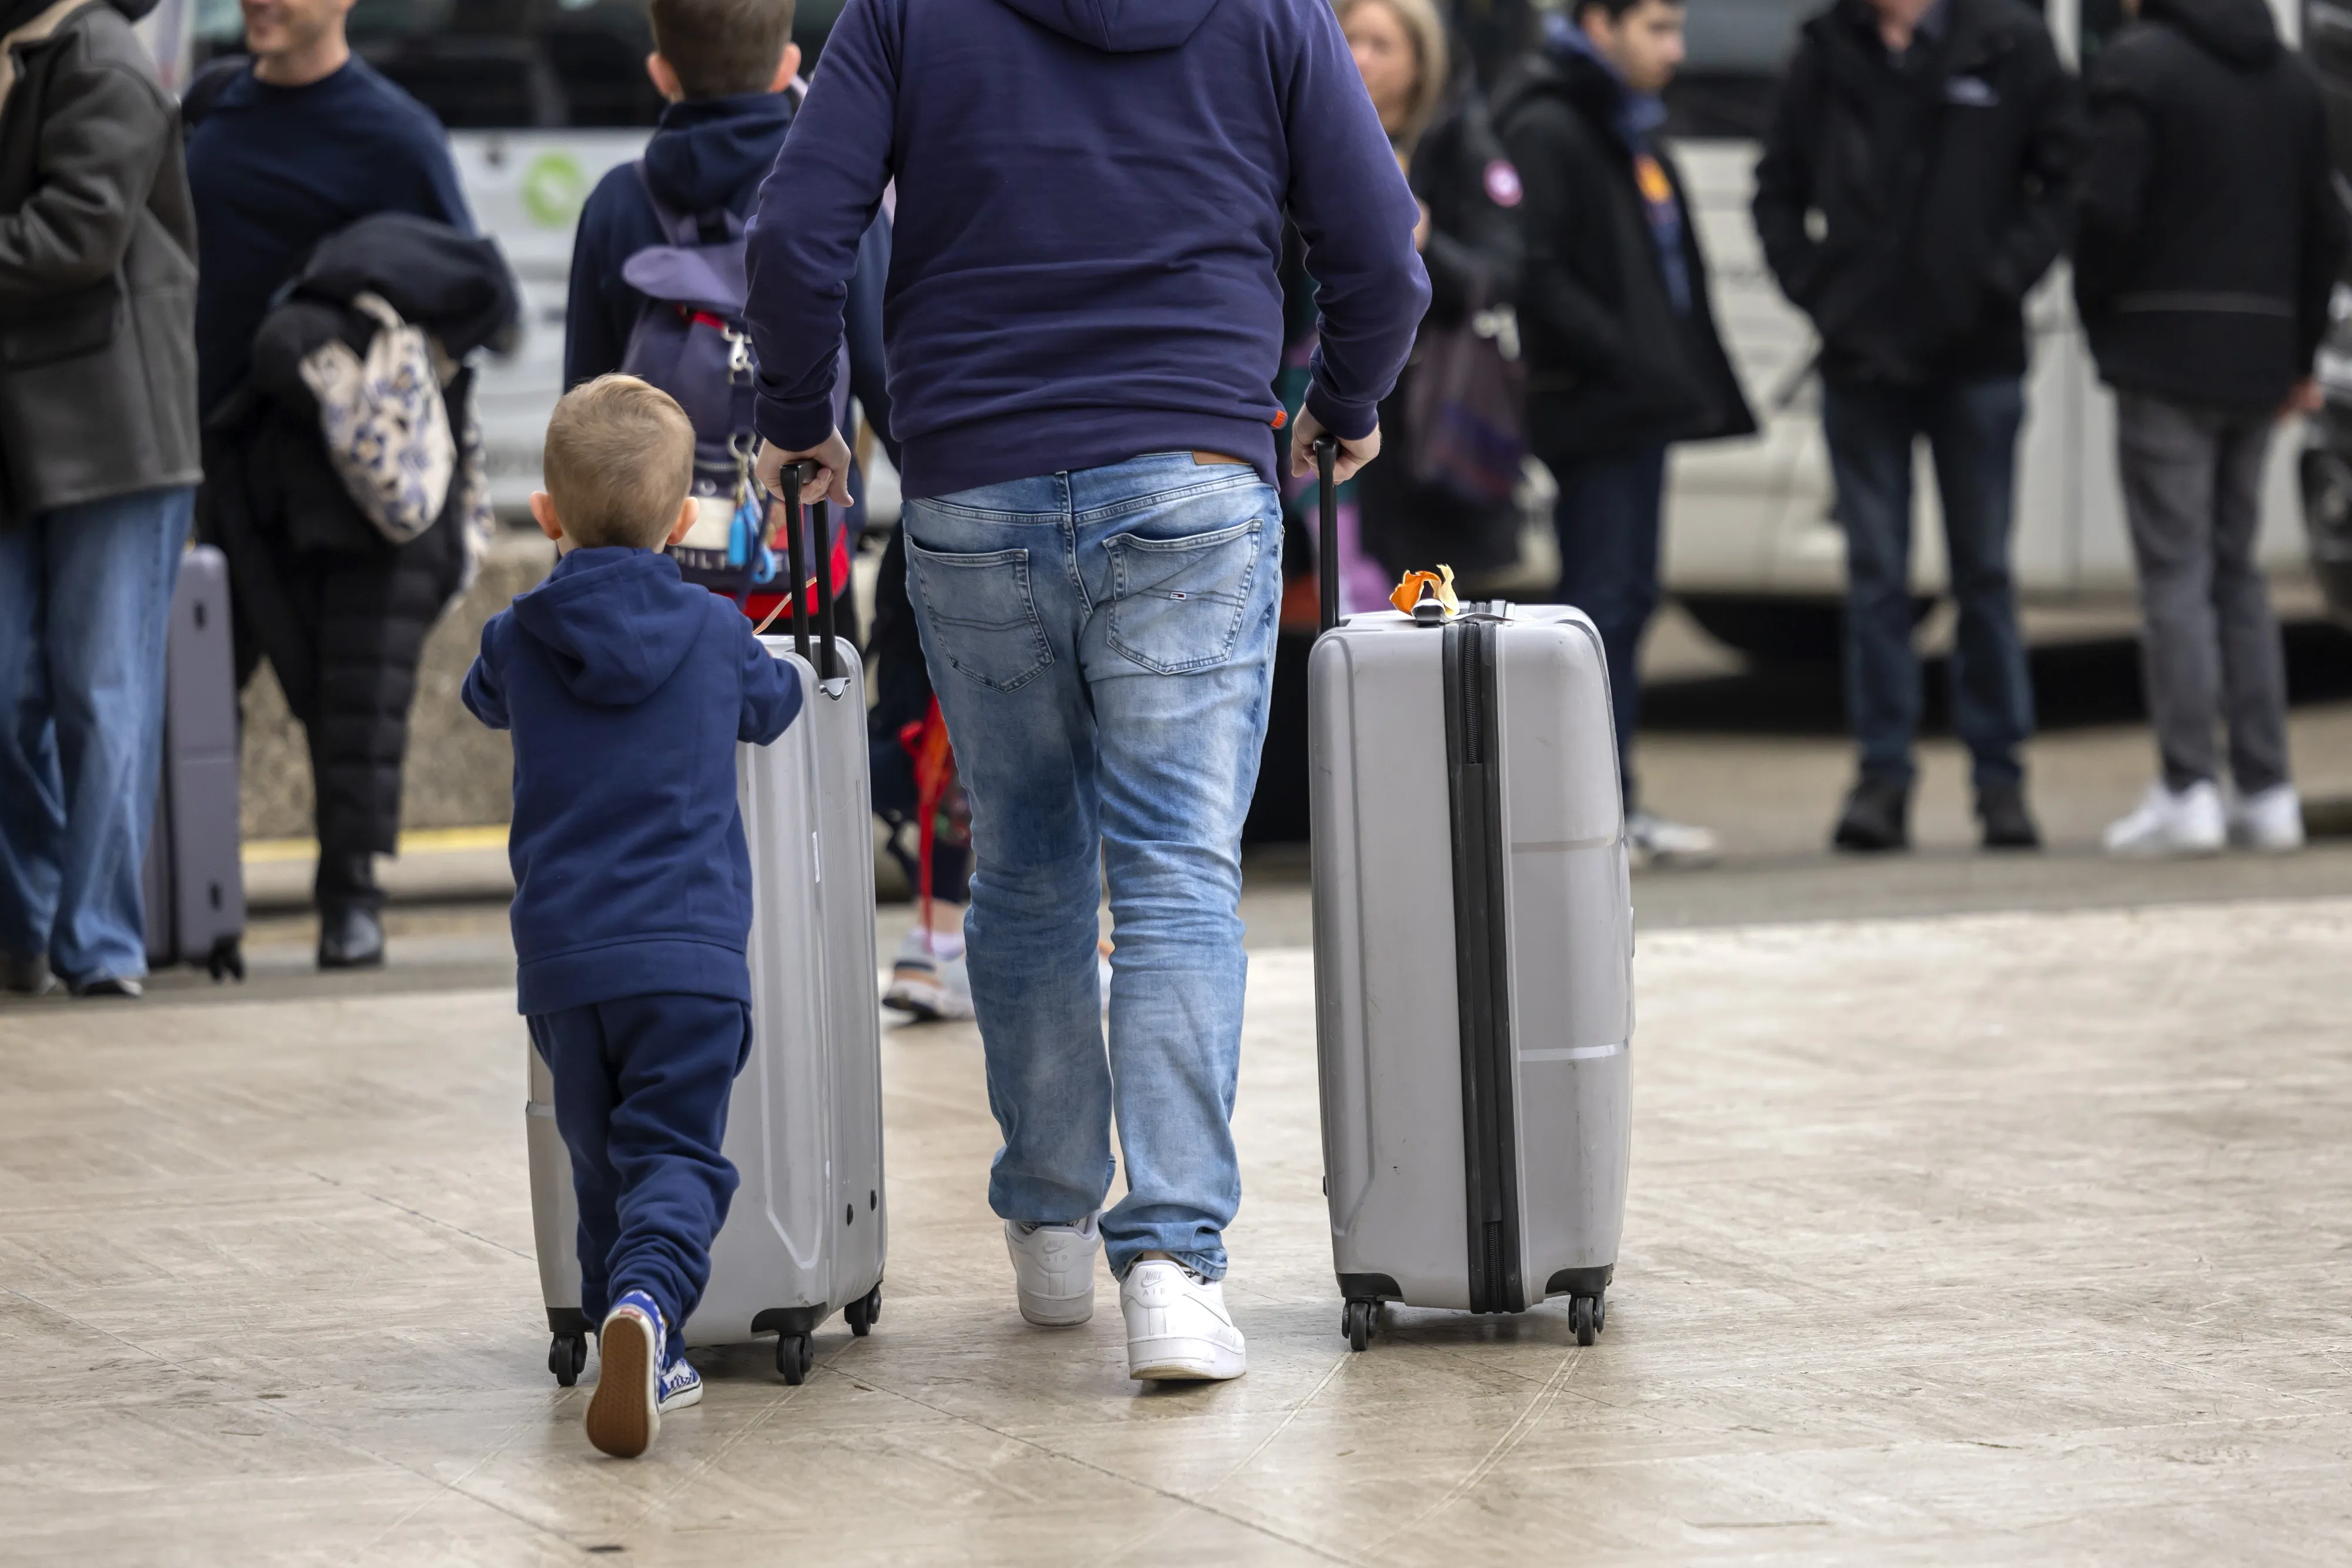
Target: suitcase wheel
{"type": "Point", "coordinates": [1586, 1314]}
{"type": "Point", "coordinates": [794, 1355]}
{"type": "Point", "coordinates": [566, 1354]}
{"type": "Point", "coordinates": [863, 1313]}
{"type": "Point", "coordinates": [1359, 1323]}
{"type": "Point", "coordinates": [224, 960]}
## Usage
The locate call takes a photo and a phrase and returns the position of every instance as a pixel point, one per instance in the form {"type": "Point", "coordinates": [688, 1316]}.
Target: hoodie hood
{"type": "Point", "coordinates": [707, 152]}
{"type": "Point", "coordinates": [1118, 26]}
{"type": "Point", "coordinates": [618, 623]}
{"type": "Point", "coordinates": [2241, 32]}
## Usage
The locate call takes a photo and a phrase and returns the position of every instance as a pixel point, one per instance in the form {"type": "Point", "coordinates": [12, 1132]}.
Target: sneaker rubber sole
{"type": "Point", "coordinates": [1182, 1359]}
{"type": "Point", "coordinates": [625, 1412]}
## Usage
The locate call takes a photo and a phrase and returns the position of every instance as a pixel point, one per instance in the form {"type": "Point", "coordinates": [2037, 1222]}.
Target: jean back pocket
{"type": "Point", "coordinates": [982, 617]}
{"type": "Point", "coordinates": [1177, 604]}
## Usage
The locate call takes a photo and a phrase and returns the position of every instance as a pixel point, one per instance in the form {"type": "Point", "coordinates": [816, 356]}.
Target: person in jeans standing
{"type": "Point", "coordinates": [98, 441]}
{"type": "Point", "coordinates": [2209, 236]}
{"type": "Point", "coordinates": [1916, 183]}
{"type": "Point", "coordinates": [1083, 331]}
{"type": "Point", "coordinates": [1623, 354]}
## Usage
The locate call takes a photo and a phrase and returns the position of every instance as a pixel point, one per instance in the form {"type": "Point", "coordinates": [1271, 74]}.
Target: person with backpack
{"type": "Point", "coordinates": [1086, 323]}
{"type": "Point", "coordinates": [726, 69]}
{"type": "Point", "coordinates": [297, 142]}
{"type": "Point", "coordinates": [1623, 355]}
{"type": "Point", "coordinates": [97, 442]}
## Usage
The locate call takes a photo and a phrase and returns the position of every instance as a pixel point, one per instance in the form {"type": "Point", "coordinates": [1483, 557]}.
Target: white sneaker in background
{"type": "Point", "coordinates": [2270, 821]}
{"type": "Point", "coordinates": [1054, 1270]}
{"type": "Point", "coordinates": [2164, 823]}
{"type": "Point", "coordinates": [927, 984]}
{"type": "Point", "coordinates": [1177, 1326]}
{"type": "Point", "coordinates": [1659, 843]}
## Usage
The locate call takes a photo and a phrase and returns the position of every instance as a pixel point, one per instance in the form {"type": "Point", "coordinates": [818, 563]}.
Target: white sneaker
{"type": "Point", "coordinates": [925, 984]}
{"type": "Point", "coordinates": [1657, 841]}
{"type": "Point", "coordinates": [2271, 820]}
{"type": "Point", "coordinates": [2164, 823]}
{"type": "Point", "coordinates": [1177, 1326]}
{"type": "Point", "coordinates": [1054, 1270]}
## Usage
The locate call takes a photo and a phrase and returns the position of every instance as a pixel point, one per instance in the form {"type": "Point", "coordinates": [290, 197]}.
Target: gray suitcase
{"type": "Point", "coordinates": [192, 880]}
{"type": "Point", "coordinates": [806, 1235]}
{"type": "Point", "coordinates": [1473, 958]}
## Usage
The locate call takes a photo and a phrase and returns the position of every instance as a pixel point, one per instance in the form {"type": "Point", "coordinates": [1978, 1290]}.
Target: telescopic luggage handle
{"type": "Point", "coordinates": [796, 475]}
{"type": "Point", "coordinates": [1327, 542]}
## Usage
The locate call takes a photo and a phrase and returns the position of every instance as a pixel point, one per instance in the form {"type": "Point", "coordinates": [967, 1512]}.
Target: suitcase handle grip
{"type": "Point", "coordinates": [794, 476]}
{"type": "Point", "coordinates": [828, 668]}
{"type": "Point", "coordinates": [1327, 541]}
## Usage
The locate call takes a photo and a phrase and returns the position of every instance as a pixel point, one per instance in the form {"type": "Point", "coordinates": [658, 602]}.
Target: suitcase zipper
{"type": "Point", "coordinates": [1482, 978]}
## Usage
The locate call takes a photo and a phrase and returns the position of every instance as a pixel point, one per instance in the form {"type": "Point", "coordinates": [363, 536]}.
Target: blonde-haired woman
{"type": "Point", "coordinates": [1469, 242]}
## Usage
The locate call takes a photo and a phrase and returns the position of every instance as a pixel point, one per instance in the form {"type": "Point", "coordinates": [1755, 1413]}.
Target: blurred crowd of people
{"type": "Point", "coordinates": [189, 292]}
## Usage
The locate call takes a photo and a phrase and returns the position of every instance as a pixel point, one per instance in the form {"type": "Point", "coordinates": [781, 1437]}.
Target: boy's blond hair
{"type": "Point", "coordinates": [721, 47]}
{"type": "Point", "coordinates": [619, 461]}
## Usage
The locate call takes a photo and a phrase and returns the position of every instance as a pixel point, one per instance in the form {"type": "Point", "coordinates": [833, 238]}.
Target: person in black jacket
{"type": "Point", "coordinates": [1621, 351]}
{"type": "Point", "coordinates": [1916, 183]}
{"type": "Point", "coordinates": [98, 472]}
{"type": "Point", "coordinates": [2210, 236]}
{"type": "Point", "coordinates": [300, 143]}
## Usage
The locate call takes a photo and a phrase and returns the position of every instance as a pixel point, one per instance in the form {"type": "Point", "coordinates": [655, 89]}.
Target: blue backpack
{"type": "Point", "coordinates": [690, 340]}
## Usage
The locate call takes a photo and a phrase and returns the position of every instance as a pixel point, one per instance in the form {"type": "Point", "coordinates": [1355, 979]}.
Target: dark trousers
{"type": "Point", "coordinates": [1972, 431]}
{"type": "Point", "coordinates": [640, 1090]}
{"type": "Point", "coordinates": [2209, 649]}
{"type": "Point", "coordinates": [1607, 520]}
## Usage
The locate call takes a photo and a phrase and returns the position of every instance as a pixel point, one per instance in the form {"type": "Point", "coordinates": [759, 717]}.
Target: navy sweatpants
{"type": "Point", "coordinates": [641, 1090]}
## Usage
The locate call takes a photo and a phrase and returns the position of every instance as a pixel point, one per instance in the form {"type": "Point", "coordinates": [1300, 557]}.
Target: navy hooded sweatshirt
{"type": "Point", "coordinates": [1091, 204]}
{"type": "Point", "coordinates": [627, 692]}
{"type": "Point", "coordinates": [706, 153]}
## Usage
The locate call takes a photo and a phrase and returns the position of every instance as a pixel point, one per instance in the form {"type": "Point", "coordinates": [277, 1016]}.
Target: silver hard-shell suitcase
{"type": "Point", "coordinates": [192, 880]}
{"type": "Point", "coordinates": [805, 1236]}
{"type": "Point", "coordinates": [1473, 958]}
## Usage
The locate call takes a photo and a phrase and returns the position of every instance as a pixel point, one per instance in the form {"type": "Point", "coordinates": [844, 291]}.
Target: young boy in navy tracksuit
{"type": "Point", "coordinates": [627, 691]}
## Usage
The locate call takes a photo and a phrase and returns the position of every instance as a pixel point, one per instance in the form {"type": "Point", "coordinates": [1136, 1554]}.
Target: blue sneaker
{"type": "Point", "coordinates": [625, 1413]}
{"type": "Point", "coordinates": [681, 1385]}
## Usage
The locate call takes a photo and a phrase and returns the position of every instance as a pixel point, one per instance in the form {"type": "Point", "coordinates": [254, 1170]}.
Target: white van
{"type": "Point", "coordinates": [1750, 547]}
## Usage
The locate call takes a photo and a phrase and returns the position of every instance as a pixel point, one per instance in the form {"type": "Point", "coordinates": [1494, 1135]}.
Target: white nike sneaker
{"type": "Point", "coordinates": [2270, 821]}
{"type": "Point", "coordinates": [2164, 823]}
{"type": "Point", "coordinates": [1659, 843]}
{"type": "Point", "coordinates": [1054, 1270]}
{"type": "Point", "coordinates": [1177, 1326]}
{"type": "Point", "coordinates": [926, 984]}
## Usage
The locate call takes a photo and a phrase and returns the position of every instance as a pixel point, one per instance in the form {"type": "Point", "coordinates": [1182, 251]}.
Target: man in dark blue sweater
{"type": "Point", "coordinates": [628, 691]}
{"type": "Point", "coordinates": [1084, 324]}
{"type": "Point", "coordinates": [296, 144]}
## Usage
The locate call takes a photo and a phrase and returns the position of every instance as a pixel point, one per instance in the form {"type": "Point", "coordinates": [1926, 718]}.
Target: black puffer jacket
{"type": "Point", "coordinates": [1611, 364]}
{"type": "Point", "coordinates": [2210, 233]}
{"type": "Point", "coordinates": [97, 273]}
{"type": "Point", "coordinates": [1942, 190]}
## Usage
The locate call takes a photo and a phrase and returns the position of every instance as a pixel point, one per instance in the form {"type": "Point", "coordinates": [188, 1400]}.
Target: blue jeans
{"type": "Point", "coordinates": [1607, 520]}
{"type": "Point", "coordinates": [85, 605]}
{"type": "Point", "coordinates": [1102, 644]}
{"type": "Point", "coordinates": [640, 1090]}
{"type": "Point", "coordinates": [1971, 429]}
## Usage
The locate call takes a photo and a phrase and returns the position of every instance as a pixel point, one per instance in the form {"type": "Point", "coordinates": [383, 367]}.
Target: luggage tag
{"type": "Point", "coordinates": [1427, 596]}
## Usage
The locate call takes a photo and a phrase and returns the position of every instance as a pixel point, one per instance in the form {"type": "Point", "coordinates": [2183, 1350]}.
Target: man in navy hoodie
{"type": "Point", "coordinates": [627, 691]}
{"type": "Point", "coordinates": [1084, 324]}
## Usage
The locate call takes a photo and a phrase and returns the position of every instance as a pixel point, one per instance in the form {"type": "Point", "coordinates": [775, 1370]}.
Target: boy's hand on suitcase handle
{"type": "Point", "coordinates": [830, 478]}
{"type": "Point", "coordinates": [1306, 430]}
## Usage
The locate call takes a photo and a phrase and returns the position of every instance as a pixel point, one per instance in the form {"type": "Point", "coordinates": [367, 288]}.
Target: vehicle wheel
{"type": "Point", "coordinates": [566, 1354]}
{"type": "Point", "coordinates": [1359, 1324]}
{"type": "Point", "coordinates": [793, 1356]}
{"type": "Point", "coordinates": [1580, 1318]}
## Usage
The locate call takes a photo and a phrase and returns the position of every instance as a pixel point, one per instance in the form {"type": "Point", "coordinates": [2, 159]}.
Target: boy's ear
{"type": "Point", "coordinates": [686, 515]}
{"type": "Point", "coordinates": [542, 512]}
{"type": "Point", "coordinates": [787, 69]}
{"type": "Point", "coordinates": [664, 76]}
